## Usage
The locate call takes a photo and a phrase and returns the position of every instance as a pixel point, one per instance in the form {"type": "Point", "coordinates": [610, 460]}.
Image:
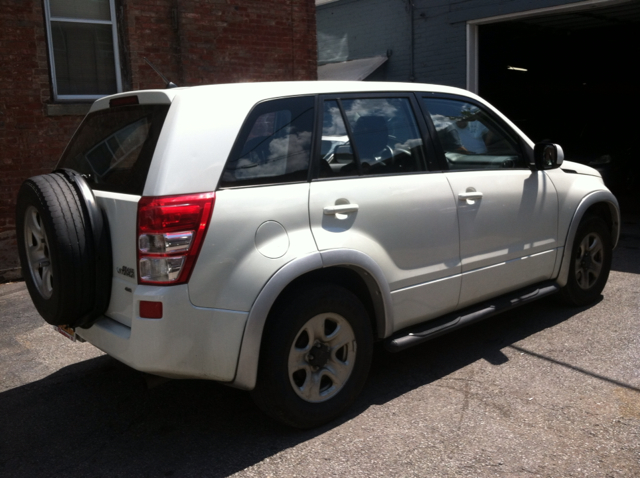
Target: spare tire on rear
{"type": "Point", "coordinates": [59, 252]}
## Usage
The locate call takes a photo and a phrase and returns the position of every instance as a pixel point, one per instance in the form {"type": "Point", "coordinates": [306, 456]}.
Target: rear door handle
{"type": "Point", "coordinates": [471, 195]}
{"type": "Point", "coordinates": [340, 209]}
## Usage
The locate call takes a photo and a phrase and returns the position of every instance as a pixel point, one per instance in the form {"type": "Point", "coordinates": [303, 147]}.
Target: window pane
{"type": "Point", "coordinates": [471, 139]}
{"type": "Point", "coordinates": [84, 59]}
{"type": "Point", "coordinates": [337, 157]}
{"type": "Point", "coordinates": [81, 9]}
{"type": "Point", "coordinates": [385, 134]}
{"type": "Point", "coordinates": [113, 147]}
{"type": "Point", "coordinates": [276, 145]}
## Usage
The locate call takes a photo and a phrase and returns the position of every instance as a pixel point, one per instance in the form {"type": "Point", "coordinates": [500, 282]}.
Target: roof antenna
{"type": "Point", "coordinates": [168, 84]}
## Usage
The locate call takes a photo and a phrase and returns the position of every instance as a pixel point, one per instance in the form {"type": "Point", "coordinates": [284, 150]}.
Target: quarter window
{"type": "Point", "coordinates": [83, 48]}
{"type": "Point", "coordinates": [471, 138]}
{"type": "Point", "coordinates": [274, 145]}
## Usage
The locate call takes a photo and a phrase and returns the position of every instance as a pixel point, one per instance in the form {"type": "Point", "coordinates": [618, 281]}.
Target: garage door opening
{"type": "Point", "coordinates": [570, 78]}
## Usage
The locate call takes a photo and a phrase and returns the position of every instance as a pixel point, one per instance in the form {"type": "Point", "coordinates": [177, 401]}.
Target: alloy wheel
{"type": "Point", "coordinates": [589, 260]}
{"type": "Point", "coordinates": [38, 256]}
{"type": "Point", "coordinates": [322, 357]}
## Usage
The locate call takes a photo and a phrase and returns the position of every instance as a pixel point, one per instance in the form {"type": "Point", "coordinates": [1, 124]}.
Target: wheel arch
{"type": "Point", "coordinates": [602, 204]}
{"type": "Point", "coordinates": [353, 270]}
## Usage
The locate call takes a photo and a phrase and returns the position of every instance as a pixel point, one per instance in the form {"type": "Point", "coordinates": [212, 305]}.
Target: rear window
{"type": "Point", "coordinates": [113, 147]}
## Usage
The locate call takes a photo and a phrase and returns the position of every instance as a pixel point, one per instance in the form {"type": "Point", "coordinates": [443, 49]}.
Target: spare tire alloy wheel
{"type": "Point", "coordinates": [56, 249]}
{"type": "Point", "coordinates": [321, 358]}
{"type": "Point", "coordinates": [315, 356]}
{"type": "Point", "coordinates": [38, 257]}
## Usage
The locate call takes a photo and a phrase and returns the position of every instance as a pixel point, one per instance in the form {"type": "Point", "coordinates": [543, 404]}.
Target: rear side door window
{"type": "Point", "coordinates": [471, 138]}
{"type": "Point", "coordinates": [370, 136]}
{"type": "Point", "coordinates": [274, 145]}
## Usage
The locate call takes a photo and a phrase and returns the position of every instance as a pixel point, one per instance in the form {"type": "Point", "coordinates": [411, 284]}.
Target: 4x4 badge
{"type": "Point", "coordinates": [126, 271]}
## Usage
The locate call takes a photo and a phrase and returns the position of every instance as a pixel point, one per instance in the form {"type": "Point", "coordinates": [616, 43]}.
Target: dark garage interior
{"type": "Point", "coordinates": [571, 78]}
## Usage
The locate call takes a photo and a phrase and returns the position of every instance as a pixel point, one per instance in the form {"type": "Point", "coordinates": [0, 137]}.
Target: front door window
{"type": "Point", "coordinates": [471, 138]}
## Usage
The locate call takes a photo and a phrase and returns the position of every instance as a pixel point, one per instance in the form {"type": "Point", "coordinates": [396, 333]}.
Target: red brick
{"type": "Point", "coordinates": [216, 41]}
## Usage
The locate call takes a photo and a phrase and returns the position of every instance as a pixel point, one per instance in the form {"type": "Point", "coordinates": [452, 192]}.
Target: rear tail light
{"type": "Point", "coordinates": [170, 234]}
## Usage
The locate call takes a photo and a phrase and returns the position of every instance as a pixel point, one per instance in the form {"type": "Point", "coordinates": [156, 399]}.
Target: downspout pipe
{"type": "Point", "coordinates": [411, 8]}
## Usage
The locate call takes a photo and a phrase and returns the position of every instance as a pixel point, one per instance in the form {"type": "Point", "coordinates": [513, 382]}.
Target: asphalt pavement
{"type": "Point", "coordinates": [543, 391]}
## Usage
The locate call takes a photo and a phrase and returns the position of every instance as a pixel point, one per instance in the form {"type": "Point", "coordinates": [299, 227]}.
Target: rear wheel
{"type": "Point", "coordinates": [315, 357]}
{"type": "Point", "coordinates": [590, 263]}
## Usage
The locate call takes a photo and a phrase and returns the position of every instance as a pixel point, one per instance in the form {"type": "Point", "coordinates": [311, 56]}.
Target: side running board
{"type": "Point", "coordinates": [420, 333]}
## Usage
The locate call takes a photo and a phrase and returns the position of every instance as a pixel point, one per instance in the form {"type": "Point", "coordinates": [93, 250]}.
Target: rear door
{"type": "Point", "coordinates": [375, 194]}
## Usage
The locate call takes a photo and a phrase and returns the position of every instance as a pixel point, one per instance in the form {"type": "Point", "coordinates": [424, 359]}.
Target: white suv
{"type": "Point", "coordinates": [266, 235]}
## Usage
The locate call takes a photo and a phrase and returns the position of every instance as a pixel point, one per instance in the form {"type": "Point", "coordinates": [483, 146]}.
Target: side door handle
{"type": "Point", "coordinates": [470, 196]}
{"type": "Point", "coordinates": [340, 209]}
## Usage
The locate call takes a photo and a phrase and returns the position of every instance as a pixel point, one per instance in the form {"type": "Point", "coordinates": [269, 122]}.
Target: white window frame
{"type": "Point", "coordinates": [116, 51]}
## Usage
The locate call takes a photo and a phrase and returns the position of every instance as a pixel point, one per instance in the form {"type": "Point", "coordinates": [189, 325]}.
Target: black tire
{"type": "Point", "coordinates": [590, 263]}
{"type": "Point", "coordinates": [287, 363]}
{"type": "Point", "coordinates": [56, 249]}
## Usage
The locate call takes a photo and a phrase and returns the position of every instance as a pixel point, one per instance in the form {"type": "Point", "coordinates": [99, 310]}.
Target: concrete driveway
{"type": "Point", "coordinates": [541, 391]}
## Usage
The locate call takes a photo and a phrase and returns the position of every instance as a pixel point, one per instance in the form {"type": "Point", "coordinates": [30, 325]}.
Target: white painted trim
{"type": "Point", "coordinates": [81, 20]}
{"type": "Point", "coordinates": [584, 5]}
{"type": "Point", "coordinates": [116, 46]}
{"type": "Point", "coordinates": [472, 58]}
{"type": "Point", "coordinates": [472, 29]}
{"type": "Point", "coordinates": [116, 51]}
{"type": "Point", "coordinates": [71, 98]}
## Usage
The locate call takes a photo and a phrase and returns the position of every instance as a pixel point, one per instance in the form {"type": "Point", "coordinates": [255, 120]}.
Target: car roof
{"type": "Point", "coordinates": [256, 92]}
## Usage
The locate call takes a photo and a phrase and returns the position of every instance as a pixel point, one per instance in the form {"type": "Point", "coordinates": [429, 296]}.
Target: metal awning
{"type": "Point", "coordinates": [354, 70]}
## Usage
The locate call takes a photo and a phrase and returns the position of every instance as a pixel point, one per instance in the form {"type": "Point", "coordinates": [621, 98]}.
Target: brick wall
{"type": "Point", "coordinates": [191, 41]}
{"type": "Point", "coordinates": [148, 28]}
{"type": "Point", "coordinates": [234, 41]}
{"type": "Point", "coordinates": [196, 42]}
{"type": "Point", "coordinates": [30, 141]}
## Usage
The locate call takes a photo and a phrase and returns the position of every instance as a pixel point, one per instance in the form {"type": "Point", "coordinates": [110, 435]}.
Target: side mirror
{"type": "Point", "coordinates": [548, 155]}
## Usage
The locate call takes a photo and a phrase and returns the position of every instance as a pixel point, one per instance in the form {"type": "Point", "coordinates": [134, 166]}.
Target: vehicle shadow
{"type": "Point", "coordinates": [626, 257]}
{"type": "Point", "coordinates": [102, 418]}
{"type": "Point", "coordinates": [396, 374]}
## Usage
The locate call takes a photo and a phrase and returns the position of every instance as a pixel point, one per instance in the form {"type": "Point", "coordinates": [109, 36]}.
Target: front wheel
{"type": "Point", "coordinates": [590, 263]}
{"type": "Point", "coordinates": [315, 357]}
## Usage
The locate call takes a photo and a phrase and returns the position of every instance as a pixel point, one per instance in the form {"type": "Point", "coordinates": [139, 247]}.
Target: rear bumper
{"type": "Point", "coordinates": [187, 342]}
